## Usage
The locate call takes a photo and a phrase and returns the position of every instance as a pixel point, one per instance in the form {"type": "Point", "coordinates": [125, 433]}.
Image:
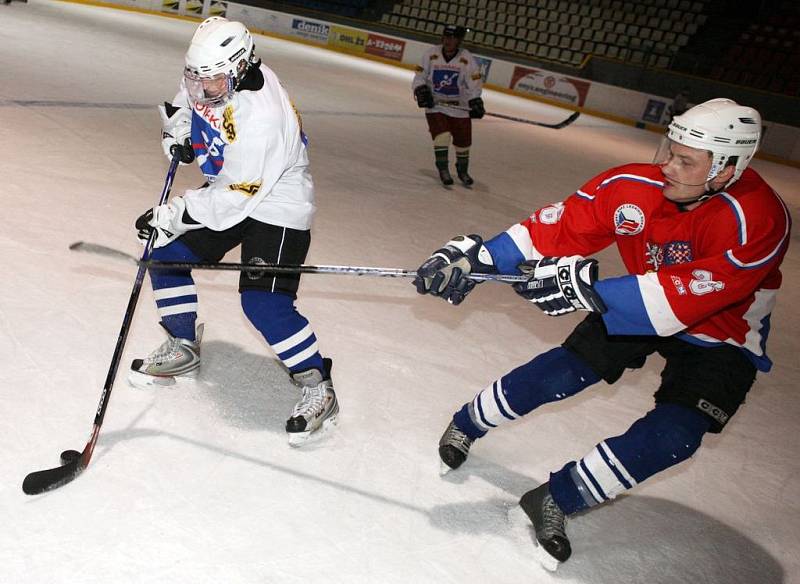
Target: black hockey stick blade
{"type": "Point", "coordinates": [102, 250]}
{"type": "Point", "coordinates": [41, 481]}
{"type": "Point", "coordinates": [556, 126]}
{"type": "Point", "coordinates": [565, 123]}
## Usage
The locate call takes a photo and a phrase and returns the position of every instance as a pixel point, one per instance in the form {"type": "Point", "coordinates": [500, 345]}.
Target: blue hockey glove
{"type": "Point", "coordinates": [444, 274]}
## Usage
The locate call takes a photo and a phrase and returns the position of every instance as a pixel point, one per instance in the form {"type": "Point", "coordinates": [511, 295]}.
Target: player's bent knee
{"type": "Point", "coordinates": [442, 139]}
{"type": "Point", "coordinates": [676, 430]}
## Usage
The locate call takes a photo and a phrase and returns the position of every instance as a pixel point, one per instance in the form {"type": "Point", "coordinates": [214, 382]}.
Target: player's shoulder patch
{"type": "Point", "coordinates": [419, 68]}
{"type": "Point", "coordinates": [476, 76]}
{"type": "Point", "coordinates": [228, 124]}
{"type": "Point", "coordinates": [434, 56]}
{"type": "Point", "coordinates": [248, 189]}
{"type": "Point", "coordinates": [464, 60]}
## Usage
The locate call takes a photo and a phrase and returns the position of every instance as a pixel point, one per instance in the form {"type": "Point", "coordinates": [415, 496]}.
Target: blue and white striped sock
{"type": "Point", "coordinates": [286, 330]}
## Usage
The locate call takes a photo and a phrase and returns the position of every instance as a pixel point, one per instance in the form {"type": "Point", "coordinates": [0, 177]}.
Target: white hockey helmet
{"type": "Point", "coordinates": [218, 58]}
{"type": "Point", "coordinates": [723, 127]}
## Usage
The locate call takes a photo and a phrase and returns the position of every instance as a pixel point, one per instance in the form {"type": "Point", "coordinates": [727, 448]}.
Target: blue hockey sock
{"type": "Point", "coordinates": [549, 377]}
{"type": "Point", "coordinates": [174, 290]}
{"type": "Point", "coordinates": [286, 330]}
{"type": "Point", "coordinates": [667, 435]}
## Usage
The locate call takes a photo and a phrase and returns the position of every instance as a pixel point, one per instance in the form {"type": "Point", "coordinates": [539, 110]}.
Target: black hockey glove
{"type": "Point", "coordinates": [476, 109]}
{"type": "Point", "coordinates": [444, 274]}
{"type": "Point", "coordinates": [561, 285]}
{"type": "Point", "coordinates": [424, 96]}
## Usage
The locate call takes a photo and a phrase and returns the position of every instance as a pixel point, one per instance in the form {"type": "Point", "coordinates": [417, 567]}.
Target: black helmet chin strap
{"type": "Point", "coordinates": [704, 197]}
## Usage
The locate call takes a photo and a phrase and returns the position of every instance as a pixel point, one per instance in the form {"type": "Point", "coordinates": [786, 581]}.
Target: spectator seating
{"type": "Point", "coordinates": [767, 55]}
{"type": "Point", "coordinates": [647, 32]}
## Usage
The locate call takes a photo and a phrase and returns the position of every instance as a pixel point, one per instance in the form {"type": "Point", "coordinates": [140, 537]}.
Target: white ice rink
{"type": "Point", "coordinates": [196, 483]}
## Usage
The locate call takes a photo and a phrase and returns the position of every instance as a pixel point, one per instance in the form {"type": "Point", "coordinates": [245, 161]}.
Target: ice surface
{"type": "Point", "coordinates": [196, 483]}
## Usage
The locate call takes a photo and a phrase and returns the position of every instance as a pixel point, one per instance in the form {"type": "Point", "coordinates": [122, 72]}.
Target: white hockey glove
{"type": "Point", "coordinates": [444, 274]}
{"type": "Point", "coordinates": [561, 285]}
{"type": "Point", "coordinates": [169, 221]}
{"type": "Point", "coordinates": [176, 131]}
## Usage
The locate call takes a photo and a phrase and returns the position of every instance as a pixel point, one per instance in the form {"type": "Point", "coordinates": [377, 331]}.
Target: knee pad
{"type": "Point", "coordinates": [551, 376]}
{"type": "Point", "coordinates": [442, 140]}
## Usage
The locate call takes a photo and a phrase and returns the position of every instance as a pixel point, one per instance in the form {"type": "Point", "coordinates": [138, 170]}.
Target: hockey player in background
{"type": "Point", "coordinates": [702, 238]}
{"type": "Point", "coordinates": [232, 114]}
{"type": "Point", "coordinates": [449, 79]}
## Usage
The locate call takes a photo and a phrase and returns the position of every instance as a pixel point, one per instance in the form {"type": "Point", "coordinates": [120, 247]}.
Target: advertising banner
{"type": "Point", "coordinates": [310, 29]}
{"type": "Point", "coordinates": [485, 64]}
{"type": "Point", "coordinates": [171, 6]}
{"type": "Point", "coordinates": [216, 8]}
{"type": "Point", "coordinates": [654, 111]}
{"type": "Point", "coordinates": [347, 38]}
{"type": "Point", "coordinates": [385, 47]}
{"type": "Point", "coordinates": [550, 85]}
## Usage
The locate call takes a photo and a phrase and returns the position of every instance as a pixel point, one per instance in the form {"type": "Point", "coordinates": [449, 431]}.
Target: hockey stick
{"type": "Point", "coordinates": [276, 268]}
{"type": "Point", "coordinates": [562, 124]}
{"type": "Point", "coordinates": [74, 462]}
{"type": "Point", "coordinates": [102, 250]}
{"type": "Point", "coordinates": [307, 269]}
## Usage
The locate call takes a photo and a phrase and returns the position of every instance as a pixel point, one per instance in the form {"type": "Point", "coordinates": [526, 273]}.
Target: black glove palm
{"type": "Point", "coordinates": [424, 96]}
{"type": "Point", "coordinates": [476, 109]}
{"type": "Point", "coordinates": [445, 273]}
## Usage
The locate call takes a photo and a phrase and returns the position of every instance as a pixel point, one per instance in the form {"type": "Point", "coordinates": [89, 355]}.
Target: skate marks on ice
{"type": "Point", "coordinates": [633, 539]}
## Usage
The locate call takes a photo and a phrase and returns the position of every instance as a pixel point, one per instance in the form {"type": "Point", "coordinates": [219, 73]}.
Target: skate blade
{"type": "Point", "coordinates": [141, 380]}
{"type": "Point", "coordinates": [298, 439]}
{"type": "Point", "coordinates": [444, 468]}
{"type": "Point", "coordinates": [522, 527]}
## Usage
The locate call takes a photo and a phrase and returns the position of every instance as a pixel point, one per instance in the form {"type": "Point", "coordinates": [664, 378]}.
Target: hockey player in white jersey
{"type": "Point", "coordinates": [233, 116]}
{"type": "Point", "coordinates": [448, 85]}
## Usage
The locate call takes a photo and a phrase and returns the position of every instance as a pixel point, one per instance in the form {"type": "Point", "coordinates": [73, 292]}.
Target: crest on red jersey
{"type": "Point", "coordinates": [628, 220]}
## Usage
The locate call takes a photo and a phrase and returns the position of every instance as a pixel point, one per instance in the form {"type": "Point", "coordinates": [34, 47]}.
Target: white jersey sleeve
{"type": "Point", "coordinates": [473, 82]}
{"type": "Point", "coordinates": [253, 153]}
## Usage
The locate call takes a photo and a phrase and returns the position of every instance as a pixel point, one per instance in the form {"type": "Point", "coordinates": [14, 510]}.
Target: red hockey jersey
{"type": "Point", "coordinates": [709, 275]}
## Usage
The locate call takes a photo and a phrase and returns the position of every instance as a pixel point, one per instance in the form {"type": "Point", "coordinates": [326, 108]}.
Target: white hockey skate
{"type": "Point", "coordinates": [174, 358]}
{"type": "Point", "coordinates": [317, 411]}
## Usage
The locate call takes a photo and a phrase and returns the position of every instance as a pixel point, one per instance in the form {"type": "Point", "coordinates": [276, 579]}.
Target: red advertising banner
{"type": "Point", "coordinates": [550, 85]}
{"type": "Point", "coordinates": [385, 47]}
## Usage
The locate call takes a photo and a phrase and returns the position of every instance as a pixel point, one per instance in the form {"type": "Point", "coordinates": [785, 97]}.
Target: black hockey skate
{"type": "Point", "coordinates": [466, 179]}
{"type": "Point", "coordinates": [453, 448]}
{"type": "Point", "coordinates": [445, 177]}
{"type": "Point", "coordinates": [549, 523]}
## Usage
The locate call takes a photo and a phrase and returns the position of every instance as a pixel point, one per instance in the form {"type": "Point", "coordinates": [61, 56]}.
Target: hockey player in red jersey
{"type": "Point", "coordinates": [702, 237]}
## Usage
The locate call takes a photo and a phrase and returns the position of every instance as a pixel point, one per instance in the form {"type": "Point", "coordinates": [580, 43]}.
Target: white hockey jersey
{"type": "Point", "coordinates": [452, 82]}
{"type": "Point", "coordinates": [253, 153]}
